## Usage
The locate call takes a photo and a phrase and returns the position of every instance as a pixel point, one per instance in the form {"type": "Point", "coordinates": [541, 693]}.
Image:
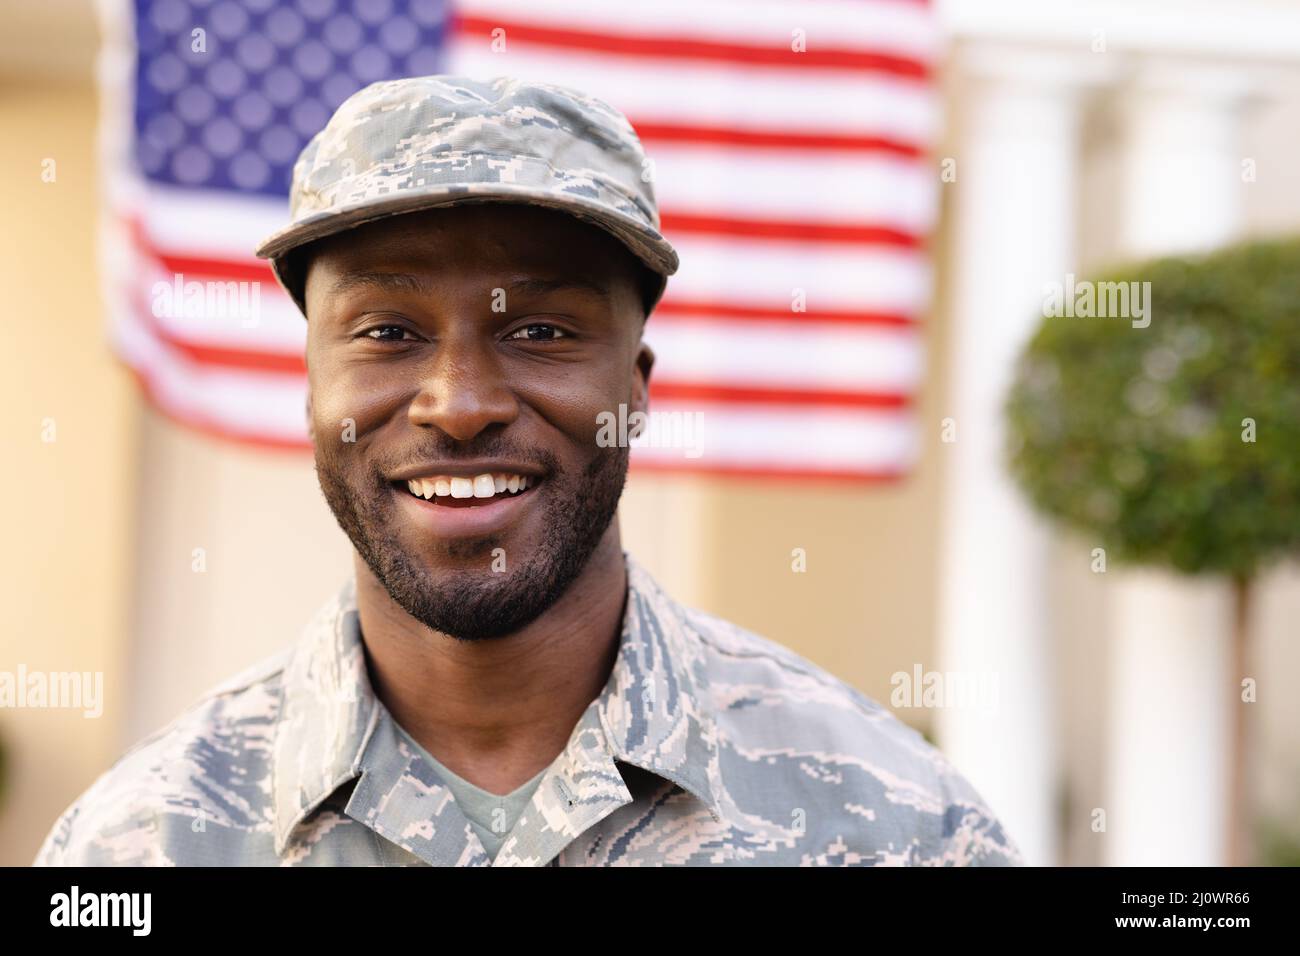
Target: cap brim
{"type": "Point", "coordinates": [645, 242]}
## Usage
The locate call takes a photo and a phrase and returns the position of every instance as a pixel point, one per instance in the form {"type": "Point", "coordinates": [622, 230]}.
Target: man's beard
{"type": "Point", "coordinates": [481, 603]}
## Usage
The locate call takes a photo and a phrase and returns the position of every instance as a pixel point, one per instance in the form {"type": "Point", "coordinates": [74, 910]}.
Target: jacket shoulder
{"type": "Point", "coordinates": [208, 767]}
{"type": "Point", "coordinates": [781, 717]}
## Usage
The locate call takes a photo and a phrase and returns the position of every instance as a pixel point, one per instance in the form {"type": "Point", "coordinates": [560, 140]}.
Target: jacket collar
{"type": "Point", "coordinates": [653, 713]}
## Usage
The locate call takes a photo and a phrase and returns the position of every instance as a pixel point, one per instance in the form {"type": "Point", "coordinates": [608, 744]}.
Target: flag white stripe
{"type": "Point", "coordinates": [780, 437]}
{"type": "Point", "coordinates": [764, 273]}
{"type": "Point", "coordinates": [794, 185]}
{"type": "Point", "coordinates": [888, 26]}
{"type": "Point", "coordinates": [787, 355]}
{"type": "Point", "coordinates": [231, 227]}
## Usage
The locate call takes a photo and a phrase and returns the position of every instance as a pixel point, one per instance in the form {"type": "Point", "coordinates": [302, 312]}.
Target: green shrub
{"type": "Point", "coordinates": [1135, 435]}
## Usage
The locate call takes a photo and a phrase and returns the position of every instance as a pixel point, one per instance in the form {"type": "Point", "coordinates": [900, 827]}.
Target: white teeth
{"type": "Point", "coordinates": [480, 486]}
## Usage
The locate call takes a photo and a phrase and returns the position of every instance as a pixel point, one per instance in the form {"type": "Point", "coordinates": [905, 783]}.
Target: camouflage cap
{"type": "Point", "coordinates": [401, 146]}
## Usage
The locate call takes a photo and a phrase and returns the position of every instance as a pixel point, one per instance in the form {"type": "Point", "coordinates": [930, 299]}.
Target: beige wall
{"type": "Point", "coordinates": [67, 504]}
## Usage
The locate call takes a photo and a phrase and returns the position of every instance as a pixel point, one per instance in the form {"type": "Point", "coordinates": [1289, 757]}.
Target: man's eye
{"type": "Point", "coordinates": [387, 333]}
{"type": "Point", "coordinates": [537, 332]}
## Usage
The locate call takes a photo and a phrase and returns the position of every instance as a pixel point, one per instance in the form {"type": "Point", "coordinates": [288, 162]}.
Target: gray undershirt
{"type": "Point", "coordinates": [492, 815]}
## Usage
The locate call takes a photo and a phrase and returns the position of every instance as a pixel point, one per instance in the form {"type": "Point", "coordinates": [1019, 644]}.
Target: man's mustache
{"type": "Point", "coordinates": [452, 453]}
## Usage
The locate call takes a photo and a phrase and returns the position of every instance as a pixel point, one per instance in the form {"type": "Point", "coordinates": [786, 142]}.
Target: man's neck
{"type": "Point", "coordinates": [498, 711]}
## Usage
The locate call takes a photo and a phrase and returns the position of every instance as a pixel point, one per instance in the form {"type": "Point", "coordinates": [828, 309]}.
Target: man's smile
{"type": "Point", "coordinates": [462, 491]}
{"type": "Point", "coordinates": [454, 506]}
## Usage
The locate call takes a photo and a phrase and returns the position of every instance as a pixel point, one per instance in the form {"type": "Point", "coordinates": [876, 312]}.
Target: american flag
{"type": "Point", "coordinates": [790, 147]}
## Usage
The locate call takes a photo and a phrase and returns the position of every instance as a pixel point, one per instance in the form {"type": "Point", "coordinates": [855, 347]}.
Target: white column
{"type": "Point", "coordinates": [1015, 229]}
{"type": "Point", "coordinates": [1181, 164]}
{"type": "Point", "coordinates": [1168, 715]}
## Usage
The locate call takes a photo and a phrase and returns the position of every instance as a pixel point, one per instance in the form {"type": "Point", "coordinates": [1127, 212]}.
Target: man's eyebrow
{"type": "Point", "coordinates": [407, 282]}
{"type": "Point", "coordinates": [538, 286]}
{"type": "Point", "coordinates": [383, 281]}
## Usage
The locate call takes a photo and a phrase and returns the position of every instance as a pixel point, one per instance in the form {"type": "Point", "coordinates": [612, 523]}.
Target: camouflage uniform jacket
{"type": "Point", "coordinates": [708, 746]}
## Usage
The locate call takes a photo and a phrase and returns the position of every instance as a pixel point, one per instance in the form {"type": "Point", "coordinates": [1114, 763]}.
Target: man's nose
{"type": "Point", "coordinates": [463, 389]}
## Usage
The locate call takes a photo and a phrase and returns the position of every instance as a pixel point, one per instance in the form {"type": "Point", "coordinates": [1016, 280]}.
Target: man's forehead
{"type": "Point", "coordinates": [525, 250]}
{"type": "Point", "coordinates": [485, 221]}
{"type": "Point", "coordinates": [523, 285]}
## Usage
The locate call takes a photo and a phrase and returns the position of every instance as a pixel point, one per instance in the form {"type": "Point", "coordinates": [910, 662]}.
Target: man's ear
{"type": "Point", "coordinates": [641, 384]}
{"type": "Point", "coordinates": [645, 360]}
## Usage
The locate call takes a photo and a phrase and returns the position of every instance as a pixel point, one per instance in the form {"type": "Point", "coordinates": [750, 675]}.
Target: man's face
{"type": "Point", "coordinates": [454, 343]}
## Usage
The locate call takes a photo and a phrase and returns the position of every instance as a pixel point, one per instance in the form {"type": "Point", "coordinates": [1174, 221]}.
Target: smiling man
{"type": "Point", "coordinates": [500, 683]}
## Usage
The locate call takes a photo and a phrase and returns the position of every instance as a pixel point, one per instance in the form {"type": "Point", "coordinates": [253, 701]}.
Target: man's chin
{"type": "Point", "coordinates": [471, 556]}
{"type": "Point", "coordinates": [476, 605]}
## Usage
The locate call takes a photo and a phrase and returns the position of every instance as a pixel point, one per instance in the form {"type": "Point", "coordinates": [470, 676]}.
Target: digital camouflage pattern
{"type": "Point", "coordinates": [709, 745]}
{"type": "Point", "coordinates": [399, 146]}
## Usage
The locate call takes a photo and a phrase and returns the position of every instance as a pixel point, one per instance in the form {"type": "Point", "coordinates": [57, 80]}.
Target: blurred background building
{"type": "Point", "coordinates": [1008, 143]}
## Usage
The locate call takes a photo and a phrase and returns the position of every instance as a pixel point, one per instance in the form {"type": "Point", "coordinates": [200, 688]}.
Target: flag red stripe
{"type": "Point", "coordinates": [224, 270]}
{"type": "Point", "coordinates": [802, 231]}
{"type": "Point", "coordinates": [666, 47]}
{"type": "Point", "coordinates": [702, 466]}
{"type": "Point", "coordinates": [653, 131]}
{"type": "Point", "coordinates": [764, 394]}
{"type": "Point", "coordinates": [675, 309]}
